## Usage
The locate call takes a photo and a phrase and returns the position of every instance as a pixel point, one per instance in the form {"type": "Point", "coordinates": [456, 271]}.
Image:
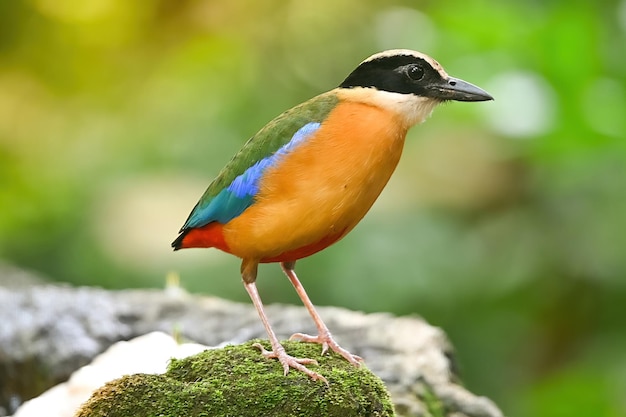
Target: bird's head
{"type": "Point", "coordinates": [407, 82]}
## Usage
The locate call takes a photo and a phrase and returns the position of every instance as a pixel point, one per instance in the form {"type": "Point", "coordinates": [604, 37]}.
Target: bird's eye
{"type": "Point", "coordinates": [415, 72]}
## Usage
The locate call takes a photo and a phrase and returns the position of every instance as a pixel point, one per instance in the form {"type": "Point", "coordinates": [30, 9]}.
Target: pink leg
{"type": "Point", "coordinates": [323, 337]}
{"type": "Point", "coordinates": [278, 351]}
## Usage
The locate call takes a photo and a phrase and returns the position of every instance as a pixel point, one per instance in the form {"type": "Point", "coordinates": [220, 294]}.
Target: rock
{"type": "Point", "coordinates": [58, 329]}
{"type": "Point", "coordinates": [148, 354]}
{"type": "Point", "coordinates": [236, 380]}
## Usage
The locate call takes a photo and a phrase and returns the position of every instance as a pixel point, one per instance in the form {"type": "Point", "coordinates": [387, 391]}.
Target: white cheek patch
{"type": "Point", "coordinates": [412, 109]}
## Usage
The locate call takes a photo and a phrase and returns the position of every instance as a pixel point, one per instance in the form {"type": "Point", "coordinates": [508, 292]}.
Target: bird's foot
{"type": "Point", "coordinates": [288, 361]}
{"type": "Point", "coordinates": [327, 341]}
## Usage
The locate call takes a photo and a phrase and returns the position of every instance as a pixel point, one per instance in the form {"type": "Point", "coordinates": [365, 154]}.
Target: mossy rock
{"type": "Point", "coordinates": [238, 381]}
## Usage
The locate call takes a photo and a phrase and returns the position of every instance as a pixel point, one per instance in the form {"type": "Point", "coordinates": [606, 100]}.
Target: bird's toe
{"type": "Point", "coordinates": [328, 342]}
{"type": "Point", "coordinates": [288, 362]}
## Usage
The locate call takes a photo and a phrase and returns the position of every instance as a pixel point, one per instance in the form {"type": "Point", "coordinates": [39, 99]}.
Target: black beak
{"type": "Point", "coordinates": [458, 90]}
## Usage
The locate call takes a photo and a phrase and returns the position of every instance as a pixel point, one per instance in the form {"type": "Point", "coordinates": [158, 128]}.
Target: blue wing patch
{"type": "Point", "coordinates": [239, 195]}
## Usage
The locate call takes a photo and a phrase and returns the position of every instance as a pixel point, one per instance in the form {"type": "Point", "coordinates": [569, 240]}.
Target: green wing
{"type": "Point", "coordinates": [216, 204]}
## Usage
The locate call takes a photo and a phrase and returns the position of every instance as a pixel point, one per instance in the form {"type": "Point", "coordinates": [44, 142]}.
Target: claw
{"type": "Point", "coordinates": [327, 341]}
{"type": "Point", "coordinates": [288, 361]}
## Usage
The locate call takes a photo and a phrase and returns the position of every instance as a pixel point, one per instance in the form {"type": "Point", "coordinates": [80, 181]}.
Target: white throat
{"type": "Point", "coordinates": [410, 108]}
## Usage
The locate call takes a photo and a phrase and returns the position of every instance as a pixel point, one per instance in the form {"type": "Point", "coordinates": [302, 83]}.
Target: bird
{"type": "Point", "coordinates": [305, 179]}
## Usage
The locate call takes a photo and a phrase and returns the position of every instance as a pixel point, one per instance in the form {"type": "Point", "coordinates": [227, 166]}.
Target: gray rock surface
{"type": "Point", "coordinates": [49, 331]}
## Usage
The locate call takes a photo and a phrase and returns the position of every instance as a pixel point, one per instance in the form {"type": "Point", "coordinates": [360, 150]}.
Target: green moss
{"type": "Point", "coordinates": [432, 403]}
{"type": "Point", "coordinates": [238, 381]}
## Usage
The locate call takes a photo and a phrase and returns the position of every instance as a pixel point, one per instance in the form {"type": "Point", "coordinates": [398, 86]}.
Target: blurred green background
{"type": "Point", "coordinates": [505, 223]}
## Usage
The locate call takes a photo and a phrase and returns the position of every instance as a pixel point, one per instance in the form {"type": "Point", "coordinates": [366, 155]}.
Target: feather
{"type": "Point", "coordinates": [239, 195]}
{"type": "Point", "coordinates": [233, 190]}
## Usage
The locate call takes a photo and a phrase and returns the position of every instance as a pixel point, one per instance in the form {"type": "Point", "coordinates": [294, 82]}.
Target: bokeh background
{"type": "Point", "coordinates": [505, 223]}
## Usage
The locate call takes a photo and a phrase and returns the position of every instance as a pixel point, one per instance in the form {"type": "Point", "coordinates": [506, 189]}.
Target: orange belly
{"type": "Point", "coordinates": [303, 252]}
{"type": "Point", "coordinates": [322, 189]}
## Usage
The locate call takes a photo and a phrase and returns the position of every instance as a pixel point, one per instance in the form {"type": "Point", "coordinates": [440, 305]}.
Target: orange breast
{"type": "Point", "coordinates": [322, 189]}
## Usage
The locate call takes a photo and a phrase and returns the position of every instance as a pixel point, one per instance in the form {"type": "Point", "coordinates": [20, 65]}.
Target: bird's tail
{"type": "Point", "coordinates": [178, 243]}
{"type": "Point", "coordinates": [207, 236]}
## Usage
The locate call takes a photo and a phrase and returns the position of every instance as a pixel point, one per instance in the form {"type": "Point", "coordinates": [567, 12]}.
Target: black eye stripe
{"type": "Point", "coordinates": [403, 74]}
